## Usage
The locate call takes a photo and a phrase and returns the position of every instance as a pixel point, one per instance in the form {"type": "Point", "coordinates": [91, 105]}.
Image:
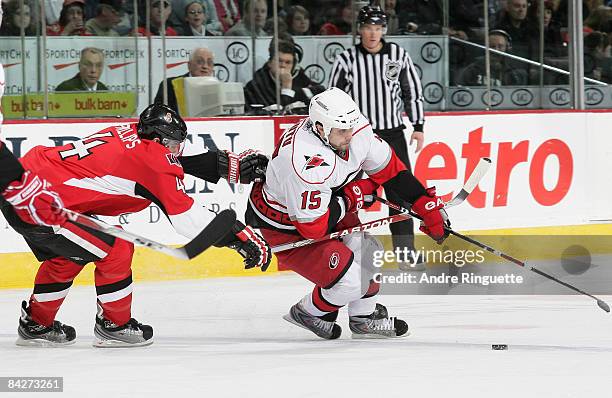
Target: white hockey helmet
{"type": "Point", "coordinates": [333, 108]}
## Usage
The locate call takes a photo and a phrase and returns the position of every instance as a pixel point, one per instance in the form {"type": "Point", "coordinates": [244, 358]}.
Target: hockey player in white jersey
{"type": "Point", "coordinates": [312, 188]}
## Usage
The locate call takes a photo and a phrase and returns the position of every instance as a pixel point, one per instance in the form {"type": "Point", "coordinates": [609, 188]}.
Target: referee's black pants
{"type": "Point", "coordinates": [402, 232]}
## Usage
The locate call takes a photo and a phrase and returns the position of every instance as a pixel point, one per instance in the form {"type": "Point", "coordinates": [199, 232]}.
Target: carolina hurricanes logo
{"type": "Point", "coordinates": [168, 117]}
{"type": "Point", "coordinates": [334, 260]}
{"type": "Point", "coordinates": [314, 161]}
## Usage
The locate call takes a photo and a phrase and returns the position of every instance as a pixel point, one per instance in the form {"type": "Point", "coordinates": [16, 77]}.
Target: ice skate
{"type": "Point", "coordinates": [110, 335]}
{"type": "Point", "coordinates": [377, 325]}
{"type": "Point", "coordinates": [37, 335]}
{"type": "Point", "coordinates": [323, 328]}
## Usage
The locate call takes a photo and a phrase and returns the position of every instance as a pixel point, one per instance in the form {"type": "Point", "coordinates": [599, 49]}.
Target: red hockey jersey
{"type": "Point", "coordinates": [114, 171]}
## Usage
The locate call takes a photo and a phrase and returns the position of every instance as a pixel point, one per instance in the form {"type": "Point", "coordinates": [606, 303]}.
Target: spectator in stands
{"type": "Point", "coordinates": [298, 21]}
{"type": "Point", "coordinates": [108, 15]}
{"type": "Point", "coordinates": [423, 17]}
{"type": "Point", "coordinates": [464, 19]}
{"type": "Point", "coordinates": [597, 65]}
{"type": "Point", "coordinates": [591, 5]}
{"type": "Point", "coordinates": [561, 11]}
{"type": "Point", "coordinates": [17, 17]}
{"type": "Point", "coordinates": [177, 18]}
{"type": "Point", "coordinates": [295, 85]}
{"type": "Point", "coordinates": [196, 15]}
{"type": "Point", "coordinates": [71, 21]}
{"type": "Point", "coordinates": [269, 26]}
{"type": "Point", "coordinates": [554, 45]}
{"type": "Point", "coordinates": [228, 12]}
{"type": "Point", "coordinates": [598, 20]}
{"type": "Point", "coordinates": [251, 24]}
{"type": "Point", "coordinates": [516, 24]}
{"type": "Point", "coordinates": [341, 23]}
{"type": "Point", "coordinates": [496, 11]}
{"type": "Point", "coordinates": [160, 11]}
{"type": "Point", "coordinates": [91, 65]}
{"type": "Point", "coordinates": [392, 18]}
{"type": "Point", "coordinates": [502, 72]}
{"type": "Point", "coordinates": [201, 63]}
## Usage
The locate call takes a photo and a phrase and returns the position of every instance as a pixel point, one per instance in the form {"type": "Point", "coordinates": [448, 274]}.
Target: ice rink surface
{"type": "Point", "coordinates": [226, 338]}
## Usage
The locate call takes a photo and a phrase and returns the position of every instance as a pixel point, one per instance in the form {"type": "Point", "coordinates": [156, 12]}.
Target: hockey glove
{"type": "Point", "coordinates": [34, 200]}
{"type": "Point", "coordinates": [354, 193]}
{"type": "Point", "coordinates": [251, 246]}
{"type": "Point", "coordinates": [249, 166]}
{"type": "Point", "coordinates": [434, 218]}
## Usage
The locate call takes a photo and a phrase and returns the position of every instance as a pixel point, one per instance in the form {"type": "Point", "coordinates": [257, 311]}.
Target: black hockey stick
{"type": "Point", "coordinates": [214, 231]}
{"type": "Point", "coordinates": [602, 304]}
{"type": "Point", "coordinates": [479, 171]}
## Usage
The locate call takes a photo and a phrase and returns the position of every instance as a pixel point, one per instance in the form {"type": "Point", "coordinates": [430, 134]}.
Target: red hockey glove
{"type": "Point", "coordinates": [250, 245]}
{"type": "Point", "coordinates": [249, 166]}
{"type": "Point", "coordinates": [355, 192]}
{"type": "Point", "coordinates": [434, 218]}
{"type": "Point", "coordinates": [34, 200]}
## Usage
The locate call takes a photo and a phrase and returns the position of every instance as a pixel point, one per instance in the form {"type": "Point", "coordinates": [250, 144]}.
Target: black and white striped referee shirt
{"type": "Point", "coordinates": [380, 84]}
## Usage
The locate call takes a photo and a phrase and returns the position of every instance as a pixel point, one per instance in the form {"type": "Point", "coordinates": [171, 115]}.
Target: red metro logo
{"type": "Point", "coordinates": [510, 155]}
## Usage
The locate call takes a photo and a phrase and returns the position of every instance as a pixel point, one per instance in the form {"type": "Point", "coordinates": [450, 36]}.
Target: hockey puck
{"type": "Point", "coordinates": [499, 347]}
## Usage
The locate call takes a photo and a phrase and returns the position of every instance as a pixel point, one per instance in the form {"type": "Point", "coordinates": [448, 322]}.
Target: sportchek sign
{"type": "Point", "coordinates": [548, 168]}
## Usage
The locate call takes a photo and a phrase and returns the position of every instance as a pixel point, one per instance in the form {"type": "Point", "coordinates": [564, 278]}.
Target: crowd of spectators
{"type": "Point", "coordinates": [520, 19]}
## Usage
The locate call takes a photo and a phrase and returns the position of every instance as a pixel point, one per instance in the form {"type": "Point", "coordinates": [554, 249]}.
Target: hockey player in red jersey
{"type": "Point", "coordinates": [116, 170]}
{"type": "Point", "coordinates": [310, 190]}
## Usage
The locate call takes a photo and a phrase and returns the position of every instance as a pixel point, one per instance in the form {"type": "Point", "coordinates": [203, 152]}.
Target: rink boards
{"type": "Point", "coordinates": [550, 169]}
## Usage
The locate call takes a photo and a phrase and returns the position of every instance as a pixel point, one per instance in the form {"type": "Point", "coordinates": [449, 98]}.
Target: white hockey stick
{"type": "Point", "coordinates": [479, 171]}
{"type": "Point", "coordinates": [214, 231]}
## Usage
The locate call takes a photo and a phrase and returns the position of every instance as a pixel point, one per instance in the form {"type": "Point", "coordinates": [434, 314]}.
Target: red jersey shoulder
{"type": "Point", "coordinates": [159, 159]}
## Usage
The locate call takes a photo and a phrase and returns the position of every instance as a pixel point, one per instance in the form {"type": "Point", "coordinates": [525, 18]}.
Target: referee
{"type": "Point", "coordinates": [383, 81]}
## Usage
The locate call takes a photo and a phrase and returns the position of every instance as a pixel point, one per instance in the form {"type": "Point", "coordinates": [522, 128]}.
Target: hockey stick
{"type": "Point", "coordinates": [479, 171]}
{"type": "Point", "coordinates": [602, 304]}
{"type": "Point", "coordinates": [210, 235]}
{"type": "Point", "coordinates": [473, 180]}
{"type": "Point", "coordinates": [334, 235]}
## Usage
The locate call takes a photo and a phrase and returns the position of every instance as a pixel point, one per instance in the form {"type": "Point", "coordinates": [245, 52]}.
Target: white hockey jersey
{"type": "Point", "coordinates": [304, 173]}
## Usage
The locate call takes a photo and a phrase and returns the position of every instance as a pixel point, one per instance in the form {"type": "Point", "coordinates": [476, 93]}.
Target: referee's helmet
{"type": "Point", "coordinates": [372, 15]}
{"type": "Point", "coordinates": [333, 108]}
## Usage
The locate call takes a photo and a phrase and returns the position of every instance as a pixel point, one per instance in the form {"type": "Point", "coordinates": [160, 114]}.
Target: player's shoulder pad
{"type": "Point", "coordinates": [312, 161]}
{"type": "Point", "coordinates": [363, 129]}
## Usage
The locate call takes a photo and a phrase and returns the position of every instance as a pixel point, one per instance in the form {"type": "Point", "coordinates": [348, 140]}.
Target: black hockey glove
{"type": "Point", "coordinates": [249, 244]}
{"type": "Point", "coordinates": [246, 167]}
